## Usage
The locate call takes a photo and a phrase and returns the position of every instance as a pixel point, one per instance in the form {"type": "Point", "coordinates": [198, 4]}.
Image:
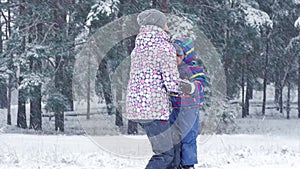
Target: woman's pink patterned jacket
{"type": "Point", "coordinates": [153, 74]}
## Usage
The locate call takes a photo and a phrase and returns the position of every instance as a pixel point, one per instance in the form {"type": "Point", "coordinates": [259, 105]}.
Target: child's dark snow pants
{"type": "Point", "coordinates": [186, 121]}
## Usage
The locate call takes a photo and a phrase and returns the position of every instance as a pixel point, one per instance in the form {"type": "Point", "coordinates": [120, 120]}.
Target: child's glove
{"type": "Point", "coordinates": [186, 86]}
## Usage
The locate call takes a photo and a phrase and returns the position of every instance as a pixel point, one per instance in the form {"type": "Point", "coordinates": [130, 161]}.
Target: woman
{"type": "Point", "coordinates": [153, 75]}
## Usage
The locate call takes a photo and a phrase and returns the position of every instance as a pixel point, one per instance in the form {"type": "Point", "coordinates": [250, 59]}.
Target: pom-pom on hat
{"type": "Point", "coordinates": [187, 46]}
{"type": "Point", "coordinates": [152, 17]}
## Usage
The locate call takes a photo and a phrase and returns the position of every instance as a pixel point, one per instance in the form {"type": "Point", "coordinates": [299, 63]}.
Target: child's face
{"type": "Point", "coordinates": [179, 59]}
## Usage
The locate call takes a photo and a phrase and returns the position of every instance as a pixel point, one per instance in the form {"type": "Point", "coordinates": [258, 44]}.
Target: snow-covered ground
{"type": "Point", "coordinates": [256, 142]}
{"type": "Point", "coordinates": [19, 151]}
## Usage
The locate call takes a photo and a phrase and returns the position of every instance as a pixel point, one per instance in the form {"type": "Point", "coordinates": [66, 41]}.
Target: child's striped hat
{"type": "Point", "coordinates": [187, 46]}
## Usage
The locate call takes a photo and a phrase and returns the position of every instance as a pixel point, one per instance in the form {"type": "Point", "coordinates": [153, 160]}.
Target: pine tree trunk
{"type": "Point", "coordinates": [21, 117]}
{"type": "Point", "coordinates": [250, 87]}
{"type": "Point", "coordinates": [299, 86]}
{"type": "Point", "coordinates": [36, 91]}
{"type": "Point", "coordinates": [132, 126]}
{"type": "Point", "coordinates": [119, 78]}
{"type": "Point", "coordinates": [88, 99]}
{"type": "Point", "coordinates": [68, 76]}
{"type": "Point", "coordinates": [277, 88]}
{"type": "Point", "coordinates": [3, 88]}
{"type": "Point", "coordinates": [59, 85]}
{"type": "Point", "coordinates": [288, 98]}
{"type": "Point", "coordinates": [227, 61]}
{"type": "Point", "coordinates": [60, 62]}
{"type": "Point", "coordinates": [119, 119]}
{"type": "Point", "coordinates": [9, 96]}
{"type": "Point", "coordinates": [3, 94]}
{"type": "Point", "coordinates": [164, 5]}
{"type": "Point", "coordinates": [119, 98]}
{"type": "Point", "coordinates": [266, 72]}
{"type": "Point", "coordinates": [70, 61]}
{"type": "Point", "coordinates": [280, 99]}
{"type": "Point", "coordinates": [106, 85]}
{"type": "Point", "coordinates": [9, 107]}
{"type": "Point", "coordinates": [248, 94]}
{"type": "Point", "coordinates": [36, 108]}
{"type": "Point", "coordinates": [243, 91]}
{"type": "Point", "coordinates": [59, 121]}
{"type": "Point", "coordinates": [10, 66]}
{"type": "Point", "coordinates": [154, 3]}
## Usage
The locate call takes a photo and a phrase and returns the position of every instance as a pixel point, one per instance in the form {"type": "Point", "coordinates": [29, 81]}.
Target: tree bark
{"type": "Point", "coordinates": [36, 68]}
{"type": "Point", "coordinates": [299, 86]}
{"type": "Point", "coordinates": [280, 99]}
{"type": "Point", "coordinates": [21, 117]}
{"type": "Point", "coordinates": [119, 79]}
{"type": "Point", "coordinates": [10, 65]}
{"type": "Point", "coordinates": [164, 5]}
{"type": "Point", "coordinates": [9, 107]}
{"type": "Point", "coordinates": [277, 88]}
{"type": "Point", "coordinates": [36, 98]}
{"type": "Point", "coordinates": [119, 97]}
{"type": "Point", "coordinates": [58, 80]}
{"type": "Point", "coordinates": [248, 96]}
{"type": "Point", "coordinates": [60, 61]}
{"type": "Point", "coordinates": [250, 88]}
{"type": "Point", "coordinates": [3, 87]}
{"type": "Point", "coordinates": [132, 126]}
{"type": "Point", "coordinates": [154, 3]}
{"type": "Point", "coordinates": [36, 108]}
{"type": "Point", "coordinates": [119, 119]}
{"type": "Point", "coordinates": [59, 121]}
{"type": "Point", "coordinates": [70, 61]}
{"type": "Point", "coordinates": [3, 94]}
{"type": "Point", "coordinates": [288, 98]}
{"type": "Point", "coordinates": [106, 85]}
{"type": "Point", "coordinates": [88, 89]}
{"type": "Point", "coordinates": [266, 72]}
{"type": "Point", "coordinates": [227, 61]}
{"type": "Point", "coordinates": [243, 91]}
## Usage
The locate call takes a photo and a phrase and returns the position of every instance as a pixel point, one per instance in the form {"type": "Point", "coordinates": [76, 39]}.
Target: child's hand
{"type": "Point", "coordinates": [186, 86]}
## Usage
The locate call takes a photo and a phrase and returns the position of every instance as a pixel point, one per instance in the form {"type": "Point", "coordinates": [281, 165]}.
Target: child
{"type": "Point", "coordinates": [186, 107]}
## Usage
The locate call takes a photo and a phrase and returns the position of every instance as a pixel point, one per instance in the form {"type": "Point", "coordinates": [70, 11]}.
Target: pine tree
{"type": "Point", "coordinates": [22, 97]}
{"type": "Point", "coordinates": [3, 86]}
{"type": "Point", "coordinates": [283, 32]}
{"type": "Point", "coordinates": [35, 68]}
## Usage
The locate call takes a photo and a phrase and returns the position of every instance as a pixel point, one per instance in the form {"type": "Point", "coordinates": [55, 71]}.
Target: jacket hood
{"type": "Point", "coordinates": [188, 48]}
{"type": "Point", "coordinates": [149, 37]}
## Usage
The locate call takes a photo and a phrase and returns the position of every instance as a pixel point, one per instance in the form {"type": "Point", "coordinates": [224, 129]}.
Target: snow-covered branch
{"type": "Point", "coordinates": [102, 7]}
{"type": "Point", "coordinates": [297, 23]}
{"type": "Point", "coordinates": [256, 18]}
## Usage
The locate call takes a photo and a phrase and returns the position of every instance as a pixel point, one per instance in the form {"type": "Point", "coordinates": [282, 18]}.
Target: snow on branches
{"type": "Point", "coordinates": [296, 2]}
{"type": "Point", "coordinates": [294, 45]}
{"type": "Point", "coordinates": [181, 27]}
{"type": "Point", "coordinates": [257, 18]}
{"type": "Point", "coordinates": [102, 7]}
{"type": "Point", "coordinates": [297, 23]}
